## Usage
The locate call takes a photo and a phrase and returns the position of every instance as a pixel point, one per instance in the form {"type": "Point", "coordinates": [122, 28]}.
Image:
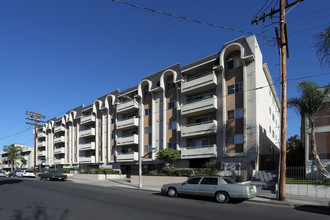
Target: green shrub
{"type": "Point", "coordinates": [110, 171]}
{"type": "Point", "coordinates": [65, 170]}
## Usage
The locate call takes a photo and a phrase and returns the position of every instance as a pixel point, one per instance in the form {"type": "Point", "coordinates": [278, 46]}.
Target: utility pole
{"type": "Point", "coordinates": [284, 53]}
{"type": "Point", "coordinates": [34, 117]}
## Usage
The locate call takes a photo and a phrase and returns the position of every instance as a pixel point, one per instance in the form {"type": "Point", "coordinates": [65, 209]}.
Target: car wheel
{"type": "Point", "coordinates": [39, 177]}
{"type": "Point", "coordinates": [171, 192]}
{"type": "Point", "coordinates": [222, 197]}
{"type": "Point", "coordinates": [49, 179]}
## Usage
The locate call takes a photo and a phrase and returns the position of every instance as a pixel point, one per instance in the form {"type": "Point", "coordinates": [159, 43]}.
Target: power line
{"type": "Point", "coordinates": [11, 135]}
{"type": "Point", "coordinates": [190, 19]}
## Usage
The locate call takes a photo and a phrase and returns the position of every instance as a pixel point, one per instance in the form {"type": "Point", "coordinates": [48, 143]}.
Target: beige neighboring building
{"type": "Point", "coordinates": [220, 109]}
{"type": "Point", "coordinates": [27, 152]}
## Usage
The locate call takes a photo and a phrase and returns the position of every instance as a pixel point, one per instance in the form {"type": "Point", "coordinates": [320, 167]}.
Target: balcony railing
{"type": "Point", "coordinates": [88, 132]}
{"type": "Point", "coordinates": [199, 84]}
{"type": "Point", "coordinates": [87, 119]}
{"type": "Point", "coordinates": [87, 146]}
{"type": "Point", "coordinates": [127, 106]}
{"type": "Point", "coordinates": [128, 123]}
{"type": "Point", "coordinates": [134, 139]}
{"type": "Point", "coordinates": [41, 134]}
{"type": "Point", "coordinates": [59, 150]}
{"type": "Point", "coordinates": [200, 106]}
{"type": "Point", "coordinates": [41, 144]}
{"type": "Point", "coordinates": [6, 166]}
{"type": "Point", "coordinates": [90, 159]}
{"type": "Point", "coordinates": [128, 157]}
{"type": "Point", "coordinates": [199, 129]}
{"type": "Point", "coordinates": [207, 151]}
{"type": "Point", "coordinates": [59, 161]}
{"type": "Point", "coordinates": [59, 140]}
{"type": "Point", "coordinates": [41, 153]}
{"type": "Point", "coordinates": [59, 129]}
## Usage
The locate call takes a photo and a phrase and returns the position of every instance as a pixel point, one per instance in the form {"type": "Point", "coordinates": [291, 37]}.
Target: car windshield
{"type": "Point", "coordinates": [28, 172]}
{"type": "Point", "coordinates": [229, 181]}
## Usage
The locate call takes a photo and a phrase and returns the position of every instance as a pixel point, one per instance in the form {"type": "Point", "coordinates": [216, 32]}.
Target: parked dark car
{"type": "Point", "coordinates": [52, 175]}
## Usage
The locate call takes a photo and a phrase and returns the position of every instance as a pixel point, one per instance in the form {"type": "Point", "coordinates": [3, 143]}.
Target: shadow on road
{"type": "Point", "coordinates": [325, 210]}
{"type": "Point", "coordinates": [10, 181]}
{"type": "Point", "coordinates": [38, 212]}
{"type": "Point", "coordinates": [201, 198]}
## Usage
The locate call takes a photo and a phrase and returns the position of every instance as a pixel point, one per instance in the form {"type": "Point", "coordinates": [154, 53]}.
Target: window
{"type": "Point", "coordinates": [239, 113]}
{"type": "Point", "coordinates": [201, 120]}
{"type": "Point", "coordinates": [203, 142]}
{"type": "Point", "coordinates": [235, 139]}
{"type": "Point", "coordinates": [113, 136]}
{"type": "Point", "coordinates": [171, 105]}
{"type": "Point", "coordinates": [147, 148]}
{"type": "Point", "coordinates": [273, 134]}
{"type": "Point", "coordinates": [270, 111]}
{"type": "Point", "coordinates": [231, 114]}
{"type": "Point", "coordinates": [148, 111]}
{"type": "Point", "coordinates": [147, 93]}
{"type": "Point", "coordinates": [113, 121]}
{"type": "Point", "coordinates": [148, 130]}
{"type": "Point", "coordinates": [209, 181]}
{"type": "Point", "coordinates": [194, 180]}
{"type": "Point", "coordinates": [171, 145]}
{"type": "Point", "coordinates": [131, 133]}
{"type": "Point", "coordinates": [238, 138]}
{"type": "Point", "coordinates": [171, 125]}
{"type": "Point", "coordinates": [234, 63]}
{"type": "Point", "coordinates": [237, 87]}
{"type": "Point", "coordinates": [270, 129]}
{"type": "Point", "coordinates": [170, 85]}
{"type": "Point", "coordinates": [273, 116]}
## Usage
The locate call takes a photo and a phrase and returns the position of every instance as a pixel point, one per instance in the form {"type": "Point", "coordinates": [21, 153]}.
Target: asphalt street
{"type": "Point", "coordinates": [25, 199]}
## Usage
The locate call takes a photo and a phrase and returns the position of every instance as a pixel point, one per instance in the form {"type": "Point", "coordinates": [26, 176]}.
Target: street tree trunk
{"type": "Point", "coordinates": [316, 157]}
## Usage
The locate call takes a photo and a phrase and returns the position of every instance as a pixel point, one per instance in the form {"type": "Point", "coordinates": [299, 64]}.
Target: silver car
{"type": "Point", "coordinates": [221, 188]}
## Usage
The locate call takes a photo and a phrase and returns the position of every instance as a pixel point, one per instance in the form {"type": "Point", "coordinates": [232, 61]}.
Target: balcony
{"type": "Point", "coordinates": [59, 161]}
{"type": "Point", "coordinates": [59, 150]}
{"type": "Point", "coordinates": [87, 119]}
{"type": "Point", "coordinates": [128, 157]}
{"type": "Point", "coordinates": [41, 134]}
{"type": "Point", "coordinates": [208, 151]}
{"type": "Point", "coordinates": [41, 144]}
{"type": "Point", "coordinates": [127, 106]}
{"type": "Point", "coordinates": [59, 129]}
{"type": "Point", "coordinates": [128, 140]}
{"type": "Point", "coordinates": [128, 123]}
{"type": "Point", "coordinates": [199, 129]}
{"type": "Point", "coordinates": [87, 133]}
{"type": "Point", "coordinates": [200, 106]}
{"type": "Point", "coordinates": [4, 166]}
{"type": "Point", "coordinates": [90, 159]}
{"type": "Point", "coordinates": [199, 84]}
{"type": "Point", "coordinates": [41, 153]}
{"type": "Point", "coordinates": [87, 146]}
{"type": "Point", "coordinates": [59, 140]}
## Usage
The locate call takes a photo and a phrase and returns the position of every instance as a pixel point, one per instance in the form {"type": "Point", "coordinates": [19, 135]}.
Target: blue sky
{"type": "Point", "coordinates": [57, 55]}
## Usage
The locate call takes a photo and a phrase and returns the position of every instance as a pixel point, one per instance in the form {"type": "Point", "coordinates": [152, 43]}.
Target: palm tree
{"type": "Point", "coordinates": [321, 47]}
{"type": "Point", "coordinates": [13, 154]}
{"type": "Point", "coordinates": [313, 101]}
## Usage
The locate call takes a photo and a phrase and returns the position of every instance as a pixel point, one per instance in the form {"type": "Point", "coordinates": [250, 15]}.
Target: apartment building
{"type": "Point", "coordinates": [26, 152]}
{"type": "Point", "coordinates": [221, 109]}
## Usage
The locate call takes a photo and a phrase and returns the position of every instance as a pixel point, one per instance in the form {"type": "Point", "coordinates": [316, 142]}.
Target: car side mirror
{"type": "Point", "coordinates": [184, 183]}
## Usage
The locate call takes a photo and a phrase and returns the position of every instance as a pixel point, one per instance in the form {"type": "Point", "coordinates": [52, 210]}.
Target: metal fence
{"type": "Point", "coordinates": [307, 181]}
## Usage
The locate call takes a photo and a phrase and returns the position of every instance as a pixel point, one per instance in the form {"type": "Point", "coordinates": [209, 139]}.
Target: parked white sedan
{"type": "Point", "coordinates": [28, 173]}
{"type": "Point", "coordinates": [221, 188]}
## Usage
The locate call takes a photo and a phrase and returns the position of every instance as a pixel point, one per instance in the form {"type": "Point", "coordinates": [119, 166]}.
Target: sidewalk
{"type": "Point", "coordinates": [265, 198]}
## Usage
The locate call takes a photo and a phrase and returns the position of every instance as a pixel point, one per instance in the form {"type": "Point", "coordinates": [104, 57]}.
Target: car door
{"type": "Point", "coordinates": [208, 186]}
{"type": "Point", "coordinates": [190, 186]}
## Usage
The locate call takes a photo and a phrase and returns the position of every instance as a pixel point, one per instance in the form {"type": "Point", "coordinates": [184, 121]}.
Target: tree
{"type": "Point", "coordinates": [321, 47]}
{"type": "Point", "coordinates": [295, 155]}
{"type": "Point", "coordinates": [24, 162]}
{"type": "Point", "coordinates": [14, 154]}
{"type": "Point", "coordinates": [311, 103]}
{"type": "Point", "coordinates": [169, 156]}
